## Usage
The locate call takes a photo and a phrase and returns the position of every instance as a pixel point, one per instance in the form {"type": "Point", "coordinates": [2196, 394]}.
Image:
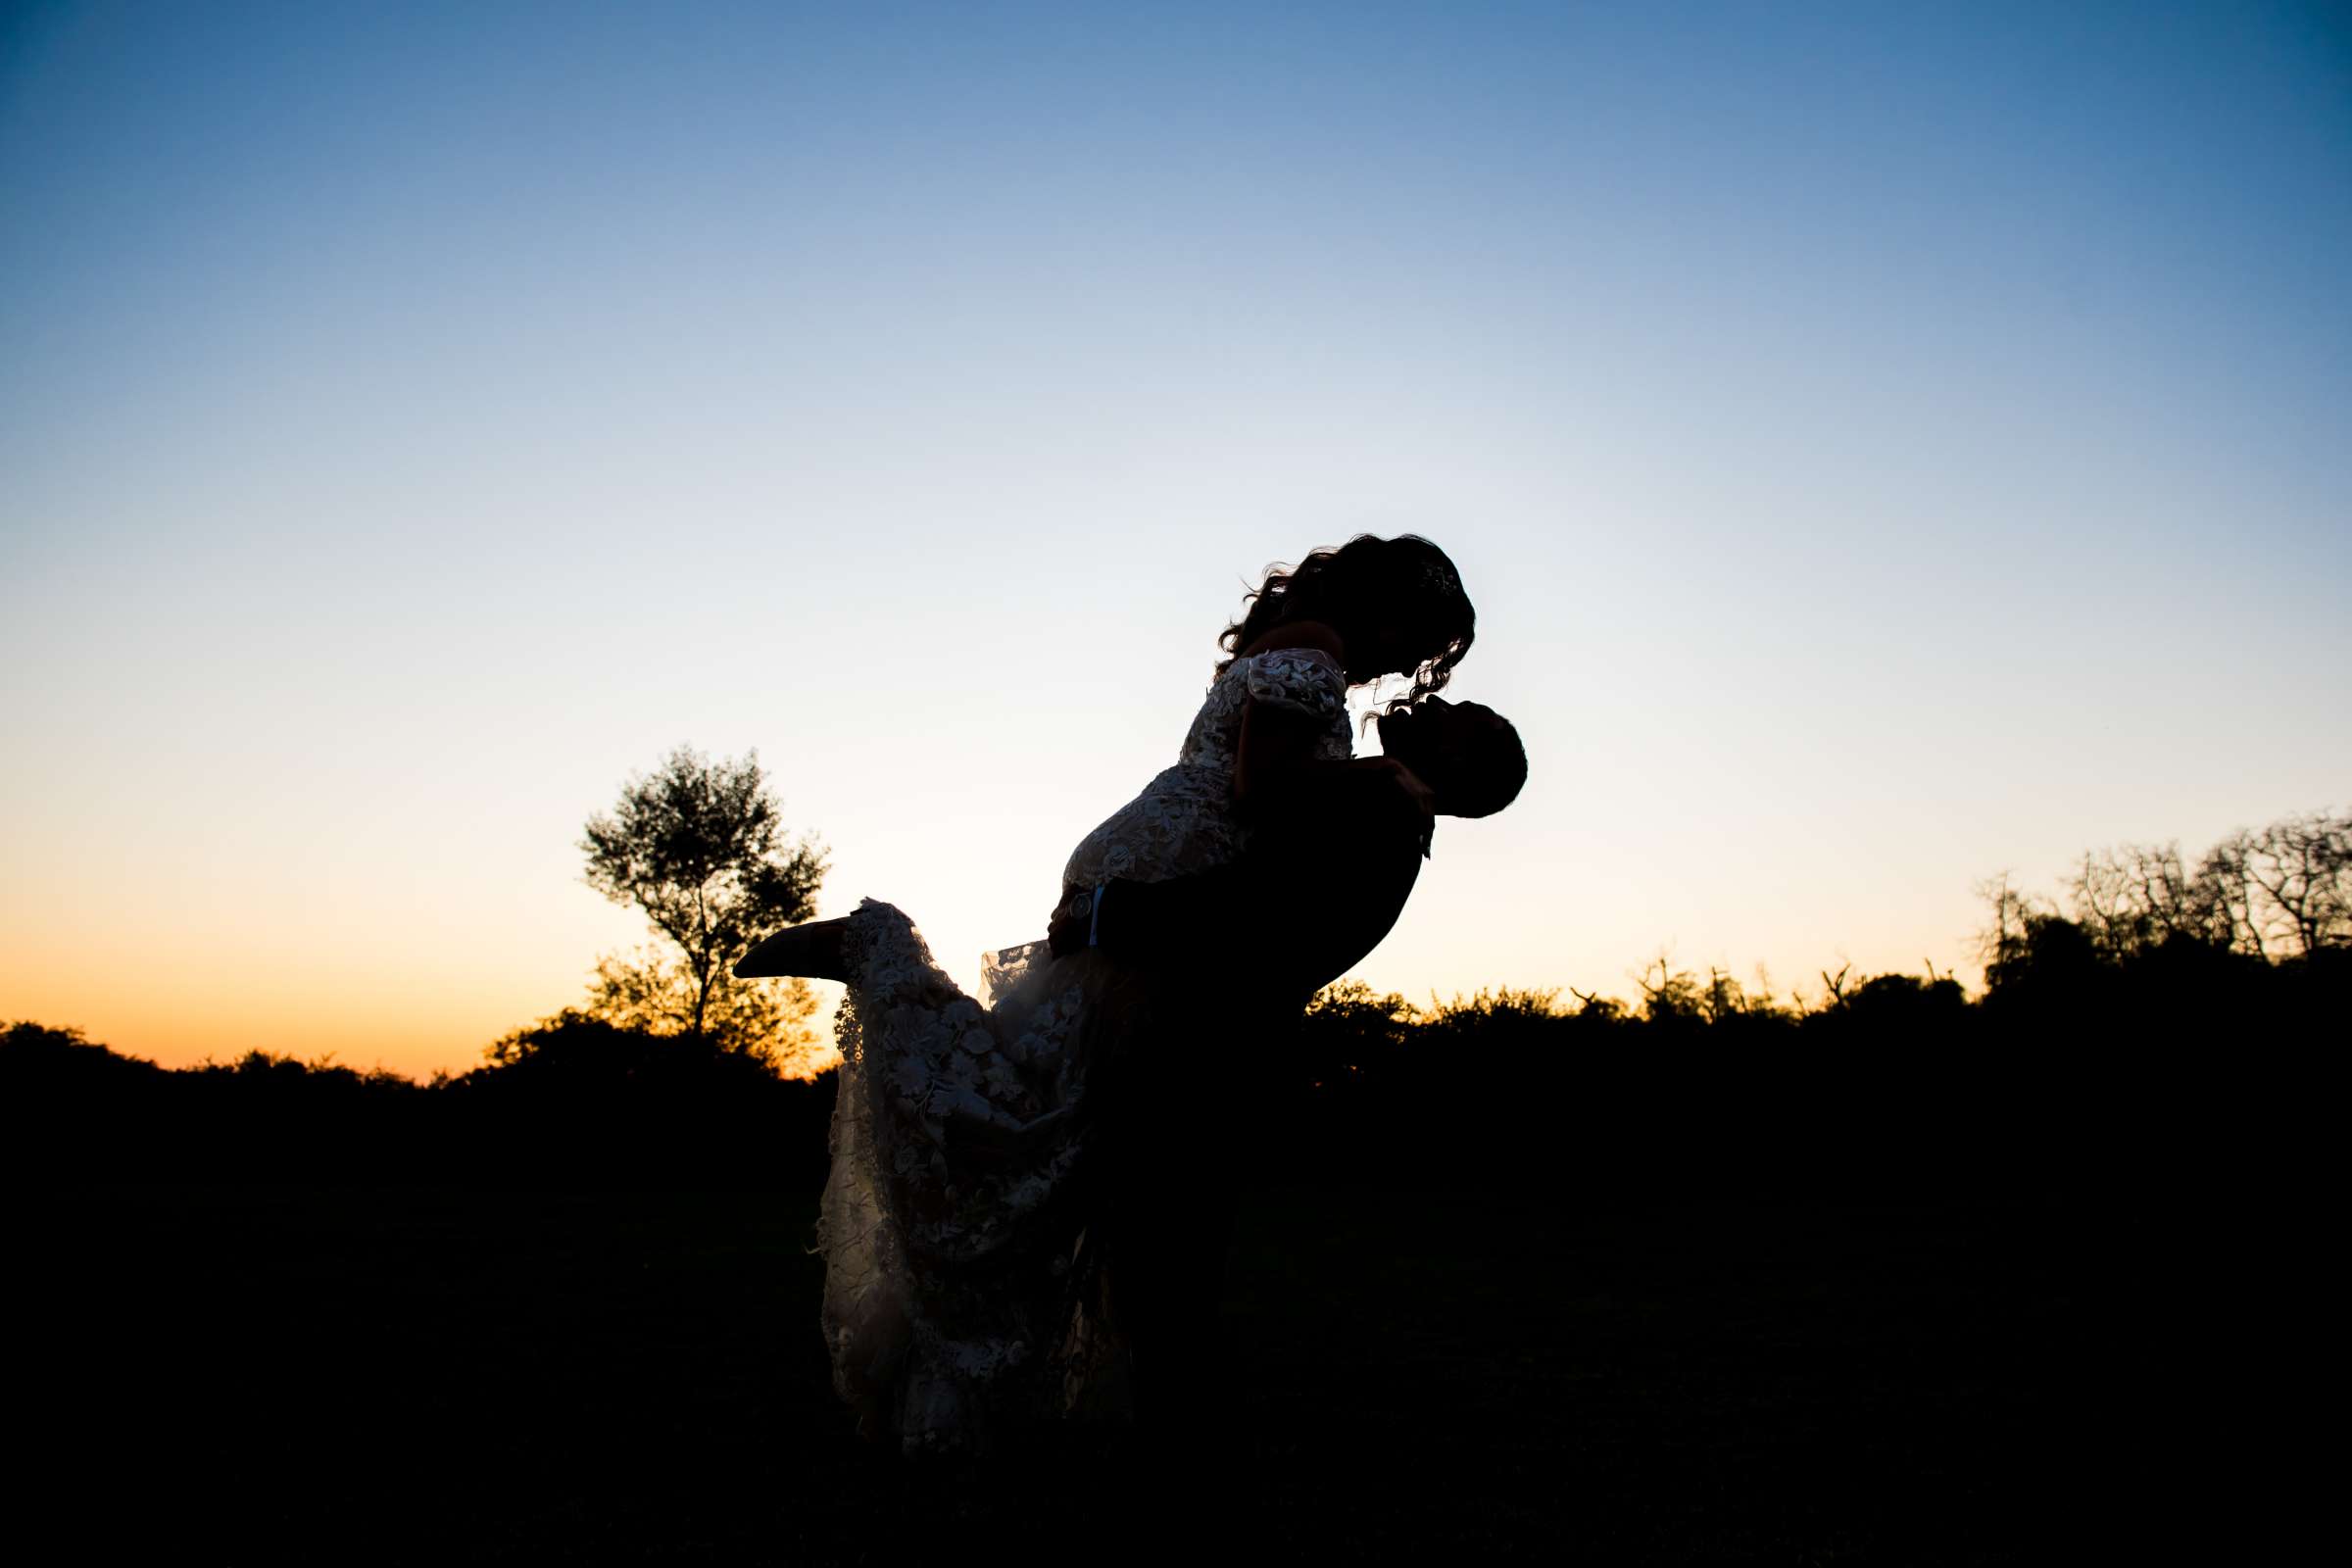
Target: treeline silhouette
{"type": "Point", "coordinates": [570, 1101]}
{"type": "Point", "coordinates": [2110, 1031]}
{"type": "Point", "coordinates": [2143, 1033]}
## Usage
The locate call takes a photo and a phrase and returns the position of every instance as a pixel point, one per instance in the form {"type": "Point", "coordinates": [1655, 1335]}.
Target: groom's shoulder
{"type": "Point", "coordinates": [1367, 809]}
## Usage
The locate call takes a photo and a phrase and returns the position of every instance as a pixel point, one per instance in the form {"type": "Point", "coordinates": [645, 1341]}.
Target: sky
{"type": "Point", "coordinates": [1888, 446]}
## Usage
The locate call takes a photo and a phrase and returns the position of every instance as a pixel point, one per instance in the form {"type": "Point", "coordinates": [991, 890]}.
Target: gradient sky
{"type": "Point", "coordinates": [1888, 445]}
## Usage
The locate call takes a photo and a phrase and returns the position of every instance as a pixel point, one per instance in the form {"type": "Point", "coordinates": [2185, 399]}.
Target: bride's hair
{"type": "Point", "coordinates": [1405, 582]}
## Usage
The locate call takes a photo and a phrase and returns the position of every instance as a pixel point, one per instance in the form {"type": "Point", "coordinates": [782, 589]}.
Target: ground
{"type": "Point", "coordinates": [448, 1375]}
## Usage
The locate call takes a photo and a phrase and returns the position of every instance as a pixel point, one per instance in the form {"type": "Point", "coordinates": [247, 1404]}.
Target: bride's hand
{"type": "Point", "coordinates": [1069, 930]}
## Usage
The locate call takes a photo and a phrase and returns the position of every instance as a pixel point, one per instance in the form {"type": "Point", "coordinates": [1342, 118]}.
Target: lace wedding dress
{"type": "Point", "coordinates": [960, 1148]}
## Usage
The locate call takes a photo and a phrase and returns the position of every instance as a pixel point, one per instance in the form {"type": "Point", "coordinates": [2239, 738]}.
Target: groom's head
{"type": "Point", "coordinates": [1465, 752]}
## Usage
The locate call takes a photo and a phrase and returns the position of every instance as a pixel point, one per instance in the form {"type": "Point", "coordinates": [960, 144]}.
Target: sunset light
{"type": "Point", "coordinates": [1882, 455]}
{"type": "Point", "coordinates": [713, 848]}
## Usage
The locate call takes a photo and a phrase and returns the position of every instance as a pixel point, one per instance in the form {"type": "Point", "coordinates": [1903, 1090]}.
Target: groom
{"type": "Point", "coordinates": [1330, 866]}
{"type": "Point", "coordinates": [1332, 859]}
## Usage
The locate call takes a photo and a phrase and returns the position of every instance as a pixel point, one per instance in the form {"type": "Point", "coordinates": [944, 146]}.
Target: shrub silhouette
{"type": "Point", "coordinates": [2085, 1047]}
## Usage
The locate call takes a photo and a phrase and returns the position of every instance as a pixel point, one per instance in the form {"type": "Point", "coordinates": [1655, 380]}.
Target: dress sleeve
{"type": "Point", "coordinates": [1306, 680]}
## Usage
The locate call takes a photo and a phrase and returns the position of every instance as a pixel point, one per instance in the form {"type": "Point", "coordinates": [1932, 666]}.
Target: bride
{"type": "Point", "coordinates": [963, 1167]}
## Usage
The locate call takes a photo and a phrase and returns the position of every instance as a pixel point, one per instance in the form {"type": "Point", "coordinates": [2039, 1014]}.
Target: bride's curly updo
{"type": "Point", "coordinates": [1402, 593]}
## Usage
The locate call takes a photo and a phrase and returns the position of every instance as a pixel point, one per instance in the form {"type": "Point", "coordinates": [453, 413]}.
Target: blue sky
{"type": "Point", "coordinates": [1885, 447]}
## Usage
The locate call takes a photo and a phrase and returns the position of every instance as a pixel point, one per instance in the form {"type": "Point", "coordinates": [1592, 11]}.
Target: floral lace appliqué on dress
{"type": "Point", "coordinates": [1183, 822]}
{"type": "Point", "coordinates": [960, 1147]}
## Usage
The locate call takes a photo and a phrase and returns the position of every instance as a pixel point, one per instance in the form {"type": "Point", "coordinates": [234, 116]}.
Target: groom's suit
{"type": "Point", "coordinates": [1331, 863]}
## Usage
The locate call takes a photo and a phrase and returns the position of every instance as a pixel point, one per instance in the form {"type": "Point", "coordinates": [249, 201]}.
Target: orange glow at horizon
{"type": "Point", "coordinates": [1857, 434]}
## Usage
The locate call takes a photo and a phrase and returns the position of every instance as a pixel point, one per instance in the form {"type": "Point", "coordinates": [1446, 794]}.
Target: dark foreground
{"type": "Point", "coordinates": [258, 1372]}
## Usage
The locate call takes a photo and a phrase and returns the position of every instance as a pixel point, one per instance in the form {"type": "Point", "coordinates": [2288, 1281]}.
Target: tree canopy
{"type": "Point", "coordinates": [700, 847]}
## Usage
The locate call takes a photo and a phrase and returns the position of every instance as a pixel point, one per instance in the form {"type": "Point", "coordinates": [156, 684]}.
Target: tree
{"type": "Point", "coordinates": [1672, 997]}
{"type": "Point", "coordinates": [2013, 915]}
{"type": "Point", "coordinates": [2224, 889]}
{"type": "Point", "coordinates": [2303, 866]}
{"type": "Point", "coordinates": [2284, 892]}
{"type": "Point", "coordinates": [699, 847]}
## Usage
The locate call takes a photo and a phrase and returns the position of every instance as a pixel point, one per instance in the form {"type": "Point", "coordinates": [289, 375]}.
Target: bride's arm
{"type": "Point", "coordinates": [1277, 745]}
{"type": "Point", "coordinates": [1277, 760]}
{"type": "Point", "coordinates": [1277, 750]}
{"type": "Point", "coordinates": [1330, 872]}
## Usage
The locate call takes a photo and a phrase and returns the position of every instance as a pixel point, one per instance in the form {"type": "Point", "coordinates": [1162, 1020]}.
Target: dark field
{"type": "Point", "coordinates": [447, 1375]}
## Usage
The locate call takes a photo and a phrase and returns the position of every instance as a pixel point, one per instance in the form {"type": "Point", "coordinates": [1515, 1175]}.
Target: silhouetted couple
{"type": "Point", "coordinates": [1029, 1200]}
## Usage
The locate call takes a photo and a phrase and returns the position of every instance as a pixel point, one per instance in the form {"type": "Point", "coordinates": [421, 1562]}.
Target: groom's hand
{"type": "Point", "coordinates": [1410, 784]}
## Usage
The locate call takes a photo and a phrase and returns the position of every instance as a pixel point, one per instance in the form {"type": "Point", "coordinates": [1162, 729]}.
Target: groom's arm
{"type": "Point", "coordinates": [1331, 863]}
